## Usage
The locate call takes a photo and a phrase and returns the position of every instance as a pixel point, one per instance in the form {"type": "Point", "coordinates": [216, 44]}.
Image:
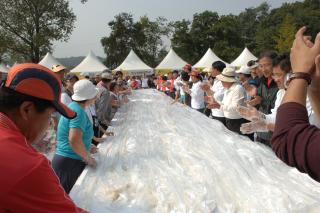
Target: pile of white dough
{"type": "Point", "coordinates": [170, 158]}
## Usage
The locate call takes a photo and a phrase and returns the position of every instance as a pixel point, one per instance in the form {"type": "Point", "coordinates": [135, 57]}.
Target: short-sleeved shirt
{"type": "Point", "coordinates": [81, 122]}
{"type": "Point", "coordinates": [27, 181]}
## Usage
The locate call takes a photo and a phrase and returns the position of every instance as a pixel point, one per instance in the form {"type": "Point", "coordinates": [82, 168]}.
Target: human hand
{"type": "Point", "coordinates": [250, 113]}
{"type": "Point", "coordinates": [304, 52]}
{"type": "Point", "coordinates": [255, 101]}
{"type": "Point", "coordinates": [251, 90]}
{"type": "Point", "coordinates": [90, 161]}
{"type": "Point", "coordinates": [208, 99]}
{"type": "Point", "coordinates": [315, 83]}
{"type": "Point", "coordinates": [94, 149]}
{"type": "Point", "coordinates": [205, 86]}
{"type": "Point", "coordinates": [254, 126]}
{"type": "Point", "coordinates": [109, 133]}
{"type": "Point", "coordinates": [213, 105]}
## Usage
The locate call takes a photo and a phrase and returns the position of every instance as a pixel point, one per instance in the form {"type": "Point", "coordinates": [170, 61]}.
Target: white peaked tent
{"type": "Point", "coordinates": [48, 61]}
{"type": "Point", "coordinates": [133, 65]}
{"type": "Point", "coordinates": [3, 68]}
{"type": "Point", "coordinates": [171, 62]}
{"type": "Point", "coordinates": [90, 65]}
{"type": "Point", "coordinates": [243, 58]}
{"type": "Point", "coordinates": [207, 60]}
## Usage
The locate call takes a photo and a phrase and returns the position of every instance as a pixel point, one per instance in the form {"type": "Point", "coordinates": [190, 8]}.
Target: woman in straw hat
{"type": "Point", "coordinates": [234, 96]}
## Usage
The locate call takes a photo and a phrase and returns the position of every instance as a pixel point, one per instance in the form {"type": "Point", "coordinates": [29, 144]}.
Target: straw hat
{"type": "Point", "coordinates": [227, 75]}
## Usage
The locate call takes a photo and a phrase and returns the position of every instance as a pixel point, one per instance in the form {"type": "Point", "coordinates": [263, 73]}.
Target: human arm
{"type": "Point", "coordinates": [39, 191]}
{"type": "Point", "coordinates": [237, 98]}
{"type": "Point", "coordinates": [294, 140]}
{"type": "Point", "coordinates": [77, 145]}
{"type": "Point", "coordinates": [314, 89]}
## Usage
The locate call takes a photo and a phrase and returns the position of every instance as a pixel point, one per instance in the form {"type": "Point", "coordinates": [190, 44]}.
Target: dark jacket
{"type": "Point", "coordinates": [268, 95]}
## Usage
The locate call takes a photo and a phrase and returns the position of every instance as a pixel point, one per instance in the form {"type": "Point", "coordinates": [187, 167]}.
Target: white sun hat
{"type": "Point", "coordinates": [227, 75]}
{"type": "Point", "coordinates": [244, 70]}
{"type": "Point", "coordinates": [84, 90]}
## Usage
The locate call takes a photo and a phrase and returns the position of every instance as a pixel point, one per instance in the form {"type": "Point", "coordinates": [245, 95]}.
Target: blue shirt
{"type": "Point", "coordinates": [81, 122]}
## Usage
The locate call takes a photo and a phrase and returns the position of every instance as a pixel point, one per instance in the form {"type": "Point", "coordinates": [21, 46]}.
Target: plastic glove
{"type": "Point", "coordinates": [94, 149]}
{"type": "Point", "coordinates": [90, 161]}
{"type": "Point", "coordinates": [208, 99]}
{"type": "Point", "coordinates": [109, 133]}
{"type": "Point", "coordinates": [250, 113]}
{"type": "Point", "coordinates": [254, 126]}
{"type": "Point", "coordinates": [205, 86]}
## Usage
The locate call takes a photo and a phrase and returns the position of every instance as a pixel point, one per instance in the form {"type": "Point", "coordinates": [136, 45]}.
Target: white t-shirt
{"type": "Point", "coordinates": [233, 97]}
{"type": "Point", "coordinates": [177, 86]}
{"type": "Point", "coordinates": [271, 118]}
{"type": "Point", "coordinates": [218, 90]}
{"type": "Point", "coordinates": [197, 96]}
{"type": "Point", "coordinates": [144, 83]}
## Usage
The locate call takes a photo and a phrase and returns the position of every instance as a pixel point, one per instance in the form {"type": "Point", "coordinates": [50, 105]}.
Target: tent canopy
{"type": "Point", "coordinates": [207, 60]}
{"type": "Point", "coordinates": [90, 65]}
{"type": "Point", "coordinates": [48, 61]}
{"type": "Point", "coordinates": [171, 62]}
{"type": "Point", "coordinates": [3, 68]}
{"type": "Point", "coordinates": [133, 65]}
{"type": "Point", "coordinates": [243, 58]}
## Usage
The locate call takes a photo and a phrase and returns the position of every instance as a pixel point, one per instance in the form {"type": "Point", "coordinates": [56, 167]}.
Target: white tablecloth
{"type": "Point", "coordinates": [170, 158]}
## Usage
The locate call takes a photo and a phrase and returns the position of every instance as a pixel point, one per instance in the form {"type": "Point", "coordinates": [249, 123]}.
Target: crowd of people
{"type": "Point", "coordinates": [274, 101]}
{"type": "Point", "coordinates": [244, 99]}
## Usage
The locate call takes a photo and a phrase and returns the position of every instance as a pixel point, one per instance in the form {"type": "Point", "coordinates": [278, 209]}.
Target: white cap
{"type": "Point", "coordinates": [84, 90]}
{"type": "Point", "coordinates": [244, 70]}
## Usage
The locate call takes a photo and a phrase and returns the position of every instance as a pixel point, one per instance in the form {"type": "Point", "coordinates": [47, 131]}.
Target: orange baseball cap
{"type": "Point", "coordinates": [40, 82]}
{"type": "Point", "coordinates": [58, 68]}
{"type": "Point", "coordinates": [195, 73]}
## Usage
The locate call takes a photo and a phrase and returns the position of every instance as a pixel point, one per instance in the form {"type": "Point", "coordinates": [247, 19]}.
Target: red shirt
{"type": "Point", "coordinates": [134, 84]}
{"type": "Point", "coordinates": [27, 181]}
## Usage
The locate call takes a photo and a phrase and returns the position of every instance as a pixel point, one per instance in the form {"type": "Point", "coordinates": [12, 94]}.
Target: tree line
{"type": "Point", "coordinates": [258, 28]}
{"type": "Point", "coordinates": [28, 29]}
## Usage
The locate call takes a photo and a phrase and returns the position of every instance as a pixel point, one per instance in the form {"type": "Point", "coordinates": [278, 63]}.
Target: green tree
{"type": "Point", "coordinates": [118, 44]}
{"type": "Point", "coordinates": [29, 27]}
{"type": "Point", "coordinates": [181, 40]}
{"type": "Point", "coordinates": [305, 13]}
{"type": "Point", "coordinates": [285, 35]}
{"type": "Point", "coordinates": [149, 39]}
{"type": "Point", "coordinates": [229, 43]}
{"type": "Point", "coordinates": [249, 20]}
{"type": "Point", "coordinates": [145, 37]}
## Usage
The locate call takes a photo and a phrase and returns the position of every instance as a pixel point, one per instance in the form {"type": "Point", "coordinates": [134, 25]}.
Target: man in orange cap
{"type": "Point", "coordinates": [30, 94]}
{"type": "Point", "coordinates": [59, 70]}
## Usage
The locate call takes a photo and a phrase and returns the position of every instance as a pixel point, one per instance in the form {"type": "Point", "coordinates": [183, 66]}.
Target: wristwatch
{"type": "Point", "coordinates": [299, 75]}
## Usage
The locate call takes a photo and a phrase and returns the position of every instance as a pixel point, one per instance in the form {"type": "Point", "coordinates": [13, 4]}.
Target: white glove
{"type": "Point", "coordinates": [254, 126]}
{"type": "Point", "coordinates": [90, 161]}
{"type": "Point", "coordinates": [250, 113]}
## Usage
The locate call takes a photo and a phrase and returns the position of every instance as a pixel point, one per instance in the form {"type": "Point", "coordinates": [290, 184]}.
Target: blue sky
{"type": "Point", "coordinates": [93, 17]}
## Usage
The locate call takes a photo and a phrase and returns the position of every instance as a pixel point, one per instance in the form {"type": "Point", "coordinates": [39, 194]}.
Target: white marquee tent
{"type": "Point", "coordinates": [207, 60]}
{"type": "Point", "coordinates": [243, 58]}
{"type": "Point", "coordinates": [171, 62]}
{"type": "Point", "coordinates": [48, 61]}
{"type": "Point", "coordinates": [90, 65]}
{"type": "Point", "coordinates": [133, 65]}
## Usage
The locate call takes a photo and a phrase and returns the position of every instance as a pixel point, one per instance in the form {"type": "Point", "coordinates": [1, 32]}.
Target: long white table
{"type": "Point", "coordinates": [170, 158]}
